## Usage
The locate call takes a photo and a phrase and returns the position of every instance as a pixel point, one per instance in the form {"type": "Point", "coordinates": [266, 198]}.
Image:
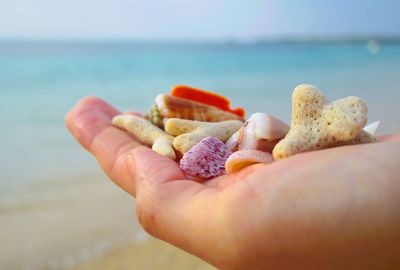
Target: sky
{"type": "Point", "coordinates": [200, 20]}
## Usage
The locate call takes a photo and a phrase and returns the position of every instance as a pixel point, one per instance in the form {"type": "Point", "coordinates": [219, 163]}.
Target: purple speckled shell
{"type": "Point", "coordinates": [205, 159]}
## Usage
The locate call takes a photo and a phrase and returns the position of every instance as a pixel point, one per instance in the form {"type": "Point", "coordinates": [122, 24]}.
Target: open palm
{"type": "Point", "coordinates": [330, 209]}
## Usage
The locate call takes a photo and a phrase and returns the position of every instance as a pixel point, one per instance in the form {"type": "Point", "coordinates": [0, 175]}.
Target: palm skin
{"type": "Point", "coordinates": [330, 209]}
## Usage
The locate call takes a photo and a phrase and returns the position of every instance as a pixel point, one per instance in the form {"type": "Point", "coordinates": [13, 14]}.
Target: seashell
{"type": "Point", "coordinates": [232, 142]}
{"type": "Point", "coordinates": [154, 117]}
{"type": "Point", "coordinates": [372, 127]}
{"type": "Point", "coordinates": [189, 132]}
{"type": "Point", "coordinates": [243, 158]}
{"type": "Point", "coordinates": [260, 132]}
{"type": "Point", "coordinates": [175, 107]}
{"type": "Point", "coordinates": [205, 97]}
{"type": "Point", "coordinates": [147, 133]}
{"type": "Point", "coordinates": [206, 159]}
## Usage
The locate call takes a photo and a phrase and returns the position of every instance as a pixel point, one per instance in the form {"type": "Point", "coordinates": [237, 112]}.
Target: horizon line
{"type": "Point", "coordinates": [255, 41]}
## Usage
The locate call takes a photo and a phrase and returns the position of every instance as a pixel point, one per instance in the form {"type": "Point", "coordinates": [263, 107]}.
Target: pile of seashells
{"type": "Point", "coordinates": [198, 129]}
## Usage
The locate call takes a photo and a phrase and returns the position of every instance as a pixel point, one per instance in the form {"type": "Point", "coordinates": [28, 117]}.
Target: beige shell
{"type": "Point", "coordinates": [243, 158]}
{"type": "Point", "coordinates": [189, 133]}
{"type": "Point", "coordinates": [147, 133]}
{"type": "Point", "coordinates": [175, 107]}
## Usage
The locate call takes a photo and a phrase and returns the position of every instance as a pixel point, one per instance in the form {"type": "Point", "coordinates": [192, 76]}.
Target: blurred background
{"type": "Point", "coordinates": [57, 210]}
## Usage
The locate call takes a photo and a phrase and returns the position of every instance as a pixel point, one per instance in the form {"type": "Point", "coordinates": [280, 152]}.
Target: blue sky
{"type": "Point", "coordinates": [196, 20]}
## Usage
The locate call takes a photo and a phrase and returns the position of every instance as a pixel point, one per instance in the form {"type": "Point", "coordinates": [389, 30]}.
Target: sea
{"type": "Point", "coordinates": [41, 81]}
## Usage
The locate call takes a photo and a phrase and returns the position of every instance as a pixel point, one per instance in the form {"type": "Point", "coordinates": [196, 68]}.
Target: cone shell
{"type": "Point", "coordinates": [175, 107]}
{"type": "Point", "coordinates": [243, 158]}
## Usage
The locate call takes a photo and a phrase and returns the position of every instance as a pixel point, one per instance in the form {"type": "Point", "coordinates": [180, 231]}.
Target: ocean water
{"type": "Point", "coordinates": [40, 82]}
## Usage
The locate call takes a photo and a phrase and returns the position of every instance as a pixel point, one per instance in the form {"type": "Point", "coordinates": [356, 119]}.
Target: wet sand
{"type": "Point", "coordinates": [152, 254]}
{"type": "Point", "coordinates": [84, 222]}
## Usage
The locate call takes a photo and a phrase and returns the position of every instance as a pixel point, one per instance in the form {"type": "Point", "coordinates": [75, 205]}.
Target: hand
{"type": "Point", "coordinates": [329, 209]}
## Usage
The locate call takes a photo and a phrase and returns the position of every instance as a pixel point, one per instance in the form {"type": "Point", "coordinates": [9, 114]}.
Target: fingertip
{"type": "Point", "coordinates": [95, 103]}
{"type": "Point", "coordinates": [89, 101]}
{"type": "Point", "coordinates": [133, 112]}
{"type": "Point", "coordinates": [68, 119]}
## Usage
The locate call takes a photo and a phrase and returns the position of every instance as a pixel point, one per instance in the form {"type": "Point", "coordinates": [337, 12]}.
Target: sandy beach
{"type": "Point", "coordinates": [81, 223]}
{"type": "Point", "coordinates": [152, 254]}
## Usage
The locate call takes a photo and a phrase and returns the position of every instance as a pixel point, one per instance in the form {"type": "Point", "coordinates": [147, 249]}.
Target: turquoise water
{"type": "Point", "coordinates": [39, 82]}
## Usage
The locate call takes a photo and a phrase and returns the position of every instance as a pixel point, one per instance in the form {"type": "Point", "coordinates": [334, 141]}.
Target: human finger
{"type": "Point", "coordinates": [90, 123]}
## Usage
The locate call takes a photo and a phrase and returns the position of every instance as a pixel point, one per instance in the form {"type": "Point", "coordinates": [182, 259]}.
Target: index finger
{"type": "Point", "coordinates": [90, 123]}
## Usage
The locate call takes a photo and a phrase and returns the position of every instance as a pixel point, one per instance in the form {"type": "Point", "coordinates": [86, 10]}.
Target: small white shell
{"type": "Point", "coordinates": [261, 132]}
{"type": "Point", "coordinates": [371, 128]}
{"type": "Point", "coordinates": [267, 127]}
{"type": "Point", "coordinates": [243, 158]}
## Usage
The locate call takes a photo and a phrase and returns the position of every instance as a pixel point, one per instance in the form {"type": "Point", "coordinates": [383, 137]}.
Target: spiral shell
{"type": "Point", "coordinates": [175, 107]}
{"type": "Point", "coordinates": [260, 132]}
